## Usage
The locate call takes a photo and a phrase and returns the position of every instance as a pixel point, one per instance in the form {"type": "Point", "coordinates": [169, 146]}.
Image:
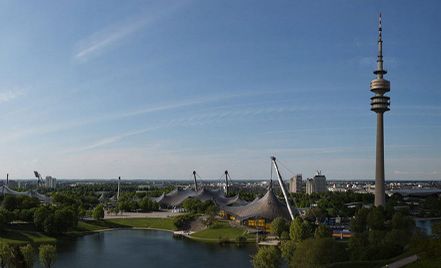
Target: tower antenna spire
{"type": "Point", "coordinates": [380, 70]}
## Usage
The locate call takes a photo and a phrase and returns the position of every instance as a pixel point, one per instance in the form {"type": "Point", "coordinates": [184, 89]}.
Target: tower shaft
{"type": "Point", "coordinates": [379, 164]}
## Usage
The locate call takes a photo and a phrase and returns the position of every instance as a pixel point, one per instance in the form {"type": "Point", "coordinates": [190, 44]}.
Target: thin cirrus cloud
{"type": "Point", "coordinates": [109, 140]}
{"type": "Point", "coordinates": [103, 40]}
{"type": "Point", "coordinates": [53, 128]}
{"type": "Point", "coordinates": [199, 119]}
{"type": "Point", "coordinates": [9, 95]}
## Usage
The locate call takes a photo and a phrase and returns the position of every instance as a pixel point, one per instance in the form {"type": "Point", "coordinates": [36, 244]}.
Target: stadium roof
{"type": "Point", "coordinates": [268, 207]}
{"type": "Point", "coordinates": [4, 190]}
{"type": "Point", "coordinates": [176, 197]}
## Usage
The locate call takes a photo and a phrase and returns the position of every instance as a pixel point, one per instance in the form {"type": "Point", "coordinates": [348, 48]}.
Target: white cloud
{"type": "Point", "coordinates": [51, 128]}
{"type": "Point", "coordinates": [99, 41]}
{"type": "Point", "coordinates": [10, 95]}
{"type": "Point", "coordinates": [110, 140]}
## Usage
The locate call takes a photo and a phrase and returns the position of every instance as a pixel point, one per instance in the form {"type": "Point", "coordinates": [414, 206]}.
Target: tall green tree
{"type": "Point", "coordinates": [6, 255]}
{"type": "Point", "coordinates": [287, 249]}
{"type": "Point", "coordinates": [10, 202]}
{"type": "Point", "coordinates": [436, 231]}
{"type": "Point", "coordinates": [40, 215]}
{"type": "Point", "coordinates": [300, 230]}
{"type": "Point", "coordinates": [376, 218]}
{"type": "Point", "coordinates": [98, 212]}
{"type": "Point", "coordinates": [267, 257]}
{"type": "Point", "coordinates": [28, 255]}
{"type": "Point", "coordinates": [5, 218]}
{"type": "Point", "coordinates": [322, 231]}
{"type": "Point", "coordinates": [278, 226]}
{"type": "Point", "coordinates": [312, 253]}
{"type": "Point", "coordinates": [47, 254]}
{"type": "Point", "coordinates": [359, 222]}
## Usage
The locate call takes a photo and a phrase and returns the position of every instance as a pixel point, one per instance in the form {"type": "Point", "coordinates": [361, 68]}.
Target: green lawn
{"type": "Point", "coordinates": [220, 231]}
{"type": "Point", "coordinates": [157, 223]}
{"type": "Point", "coordinates": [23, 234]}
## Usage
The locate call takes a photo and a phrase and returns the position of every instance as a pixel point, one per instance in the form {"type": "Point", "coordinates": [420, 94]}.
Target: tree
{"type": "Point", "coordinates": [47, 255]}
{"type": "Point", "coordinates": [288, 248]}
{"type": "Point", "coordinates": [65, 218]}
{"type": "Point", "coordinates": [267, 257]}
{"type": "Point", "coordinates": [192, 205]}
{"type": "Point", "coordinates": [5, 218]}
{"type": "Point", "coordinates": [300, 230]}
{"type": "Point", "coordinates": [322, 231]}
{"type": "Point", "coordinates": [28, 255]}
{"type": "Point", "coordinates": [376, 218]}
{"type": "Point", "coordinates": [318, 253]}
{"type": "Point", "coordinates": [182, 222]}
{"type": "Point", "coordinates": [40, 215]}
{"type": "Point", "coordinates": [359, 222]}
{"type": "Point", "coordinates": [49, 225]}
{"type": "Point", "coordinates": [98, 212]}
{"type": "Point", "coordinates": [147, 205]}
{"type": "Point", "coordinates": [402, 222]}
{"type": "Point", "coordinates": [436, 231]}
{"type": "Point", "coordinates": [295, 229]}
{"type": "Point", "coordinates": [10, 202]}
{"type": "Point", "coordinates": [357, 246]}
{"type": "Point", "coordinates": [6, 255]}
{"type": "Point", "coordinates": [124, 206]}
{"type": "Point", "coordinates": [278, 226]}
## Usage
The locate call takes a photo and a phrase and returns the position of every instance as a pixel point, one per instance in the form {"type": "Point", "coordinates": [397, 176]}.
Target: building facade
{"type": "Point", "coordinates": [51, 182]}
{"type": "Point", "coordinates": [295, 184]}
{"type": "Point", "coordinates": [316, 184]}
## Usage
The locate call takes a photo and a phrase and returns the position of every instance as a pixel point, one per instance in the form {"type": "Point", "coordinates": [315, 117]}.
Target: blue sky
{"type": "Point", "coordinates": [155, 89]}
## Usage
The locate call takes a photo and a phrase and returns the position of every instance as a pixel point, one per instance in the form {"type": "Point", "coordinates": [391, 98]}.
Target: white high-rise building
{"type": "Point", "coordinates": [316, 184]}
{"type": "Point", "coordinates": [51, 182]}
{"type": "Point", "coordinates": [295, 184]}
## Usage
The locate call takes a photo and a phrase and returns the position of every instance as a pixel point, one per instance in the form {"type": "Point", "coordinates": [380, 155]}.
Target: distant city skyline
{"type": "Point", "coordinates": [161, 88]}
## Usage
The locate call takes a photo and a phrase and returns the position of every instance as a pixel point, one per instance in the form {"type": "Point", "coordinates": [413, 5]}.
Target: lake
{"type": "Point", "coordinates": [148, 248]}
{"type": "Point", "coordinates": [425, 225]}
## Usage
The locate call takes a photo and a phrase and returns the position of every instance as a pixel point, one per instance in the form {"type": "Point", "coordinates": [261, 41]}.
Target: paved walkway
{"type": "Point", "coordinates": [403, 262]}
{"type": "Point", "coordinates": [155, 214]}
{"type": "Point", "coordinates": [269, 243]}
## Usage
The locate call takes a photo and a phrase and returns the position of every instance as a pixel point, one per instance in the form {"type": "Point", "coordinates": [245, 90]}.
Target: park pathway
{"type": "Point", "coordinates": [403, 262]}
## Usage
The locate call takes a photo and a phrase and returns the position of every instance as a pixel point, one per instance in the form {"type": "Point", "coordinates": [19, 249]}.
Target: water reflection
{"type": "Point", "coordinates": [145, 248]}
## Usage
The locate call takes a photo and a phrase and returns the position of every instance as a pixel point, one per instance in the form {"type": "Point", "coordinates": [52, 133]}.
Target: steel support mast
{"type": "Point", "coordinates": [282, 186]}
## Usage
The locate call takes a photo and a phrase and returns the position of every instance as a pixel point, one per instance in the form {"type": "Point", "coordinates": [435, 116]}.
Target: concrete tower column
{"type": "Point", "coordinates": [380, 104]}
{"type": "Point", "coordinates": [379, 164]}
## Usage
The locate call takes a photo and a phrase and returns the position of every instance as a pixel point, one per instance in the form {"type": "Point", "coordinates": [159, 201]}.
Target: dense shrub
{"type": "Point", "coordinates": [183, 222]}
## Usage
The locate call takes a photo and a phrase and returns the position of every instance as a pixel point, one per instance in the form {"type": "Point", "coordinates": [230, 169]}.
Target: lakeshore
{"type": "Point", "coordinates": [219, 233]}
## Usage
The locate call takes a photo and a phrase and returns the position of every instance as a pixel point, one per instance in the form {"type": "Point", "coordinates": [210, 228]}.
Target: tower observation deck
{"type": "Point", "coordinates": [380, 104]}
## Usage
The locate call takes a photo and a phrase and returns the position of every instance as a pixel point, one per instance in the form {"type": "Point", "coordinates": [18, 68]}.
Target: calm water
{"type": "Point", "coordinates": [145, 248]}
{"type": "Point", "coordinates": [426, 225]}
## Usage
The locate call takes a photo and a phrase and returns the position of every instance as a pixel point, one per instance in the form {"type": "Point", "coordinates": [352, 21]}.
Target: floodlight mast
{"type": "Point", "coordinates": [39, 179]}
{"type": "Point", "coordinates": [117, 194]}
{"type": "Point", "coordinates": [282, 186]}
{"type": "Point", "coordinates": [195, 182]}
{"type": "Point", "coordinates": [226, 182]}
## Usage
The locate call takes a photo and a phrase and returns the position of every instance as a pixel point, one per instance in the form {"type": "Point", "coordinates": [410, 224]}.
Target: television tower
{"type": "Point", "coordinates": [380, 104]}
